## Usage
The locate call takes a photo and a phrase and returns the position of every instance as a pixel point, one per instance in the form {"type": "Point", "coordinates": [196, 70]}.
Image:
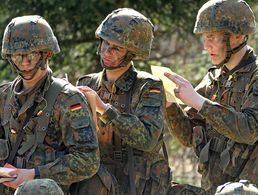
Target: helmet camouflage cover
{"type": "Point", "coordinates": [242, 187]}
{"type": "Point", "coordinates": [233, 16]}
{"type": "Point", "coordinates": [40, 187]}
{"type": "Point", "coordinates": [129, 29]}
{"type": "Point", "coordinates": [28, 33]}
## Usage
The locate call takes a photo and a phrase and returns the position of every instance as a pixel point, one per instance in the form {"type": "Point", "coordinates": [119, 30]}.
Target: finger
{"type": "Point", "coordinates": [7, 165]}
{"type": "Point", "coordinates": [174, 78]}
{"type": "Point", "coordinates": [85, 90]}
{"type": "Point", "coordinates": [176, 91]}
{"type": "Point", "coordinates": [14, 172]}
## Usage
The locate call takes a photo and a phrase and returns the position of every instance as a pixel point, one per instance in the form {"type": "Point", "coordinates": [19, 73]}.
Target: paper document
{"type": "Point", "coordinates": [169, 86]}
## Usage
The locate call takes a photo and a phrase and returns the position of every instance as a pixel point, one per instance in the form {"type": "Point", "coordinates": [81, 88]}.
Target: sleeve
{"type": "Point", "coordinates": [81, 160]}
{"type": "Point", "coordinates": [182, 120]}
{"type": "Point", "coordinates": [142, 128]}
{"type": "Point", "coordinates": [240, 126]}
{"type": "Point", "coordinates": [179, 124]}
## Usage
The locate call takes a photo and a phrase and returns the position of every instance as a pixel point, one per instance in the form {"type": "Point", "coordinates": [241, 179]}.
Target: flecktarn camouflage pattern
{"type": "Point", "coordinates": [234, 16]}
{"type": "Point", "coordinates": [135, 119]}
{"type": "Point", "coordinates": [184, 189]}
{"type": "Point", "coordinates": [28, 33]}
{"type": "Point", "coordinates": [39, 187]}
{"type": "Point", "coordinates": [59, 141]}
{"type": "Point", "coordinates": [129, 29]}
{"type": "Point", "coordinates": [70, 149]}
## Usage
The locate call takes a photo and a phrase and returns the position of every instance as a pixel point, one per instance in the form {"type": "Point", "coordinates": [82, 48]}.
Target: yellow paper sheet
{"type": "Point", "coordinates": [169, 86]}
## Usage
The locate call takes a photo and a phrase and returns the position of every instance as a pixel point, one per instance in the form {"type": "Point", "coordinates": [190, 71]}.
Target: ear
{"type": "Point", "coordinates": [240, 38]}
{"type": "Point", "coordinates": [49, 54]}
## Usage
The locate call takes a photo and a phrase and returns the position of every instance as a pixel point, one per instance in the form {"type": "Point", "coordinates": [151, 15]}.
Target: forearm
{"type": "Point", "coordinates": [71, 168]}
{"type": "Point", "coordinates": [139, 132]}
{"type": "Point", "coordinates": [179, 124]}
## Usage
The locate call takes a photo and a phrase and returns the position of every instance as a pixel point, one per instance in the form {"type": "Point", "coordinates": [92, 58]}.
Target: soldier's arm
{"type": "Point", "coordinates": [79, 138]}
{"type": "Point", "coordinates": [239, 126]}
{"type": "Point", "coordinates": [143, 127]}
{"type": "Point", "coordinates": [179, 124]}
{"type": "Point", "coordinates": [182, 120]}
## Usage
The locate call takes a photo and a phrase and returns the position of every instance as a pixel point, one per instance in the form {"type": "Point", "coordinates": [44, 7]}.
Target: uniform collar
{"type": "Point", "coordinates": [27, 98]}
{"type": "Point", "coordinates": [125, 82]}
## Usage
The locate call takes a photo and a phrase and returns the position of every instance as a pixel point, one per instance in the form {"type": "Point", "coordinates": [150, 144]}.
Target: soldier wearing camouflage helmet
{"type": "Point", "coordinates": [220, 122]}
{"type": "Point", "coordinates": [47, 129]}
{"type": "Point", "coordinates": [243, 187]}
{"type": "Point", "coordinates": [39, 187]}
{"type": "Point", "coordinates": [130, 110]}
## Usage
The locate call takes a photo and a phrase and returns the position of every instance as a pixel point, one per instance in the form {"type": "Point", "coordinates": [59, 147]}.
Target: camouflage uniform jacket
{"type": "Point", "coordinates": [224, 132]}
{"type": "Point", "coordinates": [135, 118]}
{"type": "Point", "coordinates": [69, 152]}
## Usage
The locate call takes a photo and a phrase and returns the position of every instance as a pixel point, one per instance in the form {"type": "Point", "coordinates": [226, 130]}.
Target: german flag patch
{"type": "Point", "coordinates": [155, 90]}
{"type": "Point", "coordinates": [75, 107]}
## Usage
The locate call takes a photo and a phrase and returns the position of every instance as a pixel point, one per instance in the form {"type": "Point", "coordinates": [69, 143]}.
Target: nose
{"type": "Point", "coordinates": [206, 44]}
{"type": "Point", "coordinates": [25, 63]}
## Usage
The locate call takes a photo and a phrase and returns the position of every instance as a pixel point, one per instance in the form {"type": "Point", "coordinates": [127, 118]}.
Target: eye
{"type": "Point", "coordinates": [116, 48]}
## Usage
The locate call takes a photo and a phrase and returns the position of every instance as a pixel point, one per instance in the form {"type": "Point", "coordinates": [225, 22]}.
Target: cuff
{"type": "Point", "coordinates": [37, 173]}
{"type": "Point", "coordinates": [207, 107]}
{"type": "Point", "coordinates": [110, 114]}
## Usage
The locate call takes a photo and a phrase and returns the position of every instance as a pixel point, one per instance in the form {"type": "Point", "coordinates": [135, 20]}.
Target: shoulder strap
{"type": "Point", "coordinates": [91, 80]}
{"type": "Point", "coordinates": [20, 135]}
{"type": "Point", "coordinates": [55, 88]}
{"type": "Point", "coordinates": [7, 111]}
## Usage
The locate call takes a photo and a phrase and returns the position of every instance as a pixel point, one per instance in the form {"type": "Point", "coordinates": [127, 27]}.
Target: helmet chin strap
{"type": "Point", "coordinates": [42, 64]}
{"type": "Point", "coordinates": [127, 59]}
{"type": "Point", "coordinates": [230, 51]}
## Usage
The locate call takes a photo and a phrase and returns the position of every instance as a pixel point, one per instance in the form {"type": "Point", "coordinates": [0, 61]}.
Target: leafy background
{"type": "Point", "coordinates": [74, 24]}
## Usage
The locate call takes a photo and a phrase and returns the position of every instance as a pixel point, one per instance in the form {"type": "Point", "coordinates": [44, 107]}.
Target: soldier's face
{"type": "Point", "coordinates": [213, 43]}
{"type": "Point", "coordinates": [26, 62]}
{"type": "Point", "coordinates": [112, 54]}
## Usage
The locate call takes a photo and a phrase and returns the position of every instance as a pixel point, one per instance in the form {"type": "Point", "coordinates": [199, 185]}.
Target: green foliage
{"type": "Point", "coordinates": [74, 23]}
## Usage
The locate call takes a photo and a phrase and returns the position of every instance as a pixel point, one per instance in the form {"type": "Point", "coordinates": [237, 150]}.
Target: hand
{"type": "Point", "coordinates": [21, 176]}
{"type": "Point", "coordinates": [185, 91]}
{"type": "Point", "coordinates": [90, 93]}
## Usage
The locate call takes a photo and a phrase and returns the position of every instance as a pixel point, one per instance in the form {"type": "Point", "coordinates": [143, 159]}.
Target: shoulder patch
{"type": "Point", "coordinates": [154, 89]}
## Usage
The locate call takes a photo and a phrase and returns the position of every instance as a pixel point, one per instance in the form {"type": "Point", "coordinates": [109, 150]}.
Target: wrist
{"type": "Point", "coordinates": [199, 103]}
{"type": "Point", "coordinates": [104, 108]}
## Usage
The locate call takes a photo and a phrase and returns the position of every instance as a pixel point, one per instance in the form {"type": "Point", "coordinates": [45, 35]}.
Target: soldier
{"type": "Point", "coordinates": [47, 129]}
{"type": "Point", "coordinates": [220, 122]}
{"type": "Point", "coordinates": [40, 187]}
{"type": "Point", "coordinates": [130, 110]}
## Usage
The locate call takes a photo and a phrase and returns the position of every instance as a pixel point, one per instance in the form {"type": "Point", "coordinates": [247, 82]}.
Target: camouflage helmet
{"type": "Point", "coordinates": [242, 187]}
{"type": "Point", "coordinates": [129, 29]}
{"type": "Point", "coordinates": [233, 16]}
{"type": "Point", "coordinates": [28, 33]}
{"type": "Point", "coordinates": [184, 189]}
{"type": "Point", "coordinates": [40, 187]}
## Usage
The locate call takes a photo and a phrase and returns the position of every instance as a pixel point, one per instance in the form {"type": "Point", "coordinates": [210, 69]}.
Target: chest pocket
{"type": "Point", "coordinates": [237, 92]}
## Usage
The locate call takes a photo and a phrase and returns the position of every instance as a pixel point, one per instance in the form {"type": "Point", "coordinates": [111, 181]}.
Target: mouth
{"type": "Point", "coordinates": [106, 61]}
{"type": "Point", "coordinates": [27, 75]}
{"type": "Point", "coordinates": [212, 56]}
